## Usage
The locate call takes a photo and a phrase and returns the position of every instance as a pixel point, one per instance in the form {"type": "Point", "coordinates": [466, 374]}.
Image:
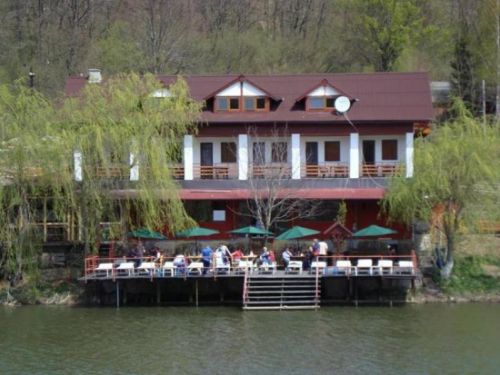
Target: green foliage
{"type": "Point", "coordinates": [455, 172]}
{"type": "Point", "coordinates": [106, 124]}
{"type": "Point", "coordinates": [469, 276]}
{"type": "Point", "coordinates": [382, 29]}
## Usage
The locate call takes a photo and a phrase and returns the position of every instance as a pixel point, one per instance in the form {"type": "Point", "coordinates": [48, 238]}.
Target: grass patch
{"type": "Point", "coordinates": [470, 275]}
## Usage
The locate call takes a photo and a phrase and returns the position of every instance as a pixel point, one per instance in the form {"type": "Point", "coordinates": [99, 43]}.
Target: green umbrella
{"type": "Point", "coordinates": [374, 231]}
{"type": "Point", "coordinates": [251, 230]}
{"type": "Point", "coordinates": [196, 232]}
{"type": "Point", "coordinates": [146, 234]}
{"type": "Point", "coordinates": [296, 232]}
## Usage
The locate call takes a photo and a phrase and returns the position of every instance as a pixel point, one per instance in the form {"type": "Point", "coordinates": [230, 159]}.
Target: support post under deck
{"type": "Point", "coordinates": [117, 294]}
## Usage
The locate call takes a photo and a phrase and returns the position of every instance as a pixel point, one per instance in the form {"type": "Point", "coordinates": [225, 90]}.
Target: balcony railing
{"type": "Point", "coordinates": [380, 170]}
{"type": "Point", "coordinates": [325, 170]}
{"type": "Point", "coordinates": [223, 171]}
{"type": "Point", "coordinates": [120, 171]}
{"type": "Point", "coordinates": [273, 170]}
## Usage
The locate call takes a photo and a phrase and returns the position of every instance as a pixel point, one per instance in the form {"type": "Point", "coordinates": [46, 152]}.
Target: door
{"type": "Point", "coordinates": [369, 168]}
{"type": "Point", "coordinates": [206, 160]}
{"type": "Point", "coordinates": [206, 154]}
{"type": "Point", "coordinates": [312, 153]}
{"type": "Point", "coordinates": [369, 152]}
{"type": "Point", "coordinates": [311, 159]}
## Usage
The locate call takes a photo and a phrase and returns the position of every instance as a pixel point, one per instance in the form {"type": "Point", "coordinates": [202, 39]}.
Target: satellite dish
{"type": "Point", "coordinates": [342, 104]}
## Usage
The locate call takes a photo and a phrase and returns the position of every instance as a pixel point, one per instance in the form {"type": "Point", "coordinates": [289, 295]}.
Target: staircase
{"type": "Point", "coordinates": [281, 292]}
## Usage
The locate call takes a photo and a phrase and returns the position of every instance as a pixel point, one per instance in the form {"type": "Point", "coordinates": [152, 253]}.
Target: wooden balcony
{"type": "Point", "coordinates": [380, 170]}
{"type": "Point", "coordinates": [326, 170]}
{"type": "Point", "coordinates": [215, 172]}
{"type": "Point", "coordinates": [118, 171]}
{"type": "Point", "coordinates": [274, 170]}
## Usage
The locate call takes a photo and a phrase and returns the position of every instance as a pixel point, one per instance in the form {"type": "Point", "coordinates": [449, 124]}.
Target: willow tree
{"type": "Point", "coordinates": [455, 174]}
{"type": "Point", "coordinates": [81, 155]}
{"type": "Point", "coordinates": [128, 123]}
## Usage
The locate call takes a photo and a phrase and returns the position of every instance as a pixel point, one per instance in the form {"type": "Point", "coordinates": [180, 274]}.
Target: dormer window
{"type": "Point", "coordinates": [321, 97]}
{"type": "Point", "coordinates": [321, 103]}
{"type": "Point", "coordinates": [241, 95]}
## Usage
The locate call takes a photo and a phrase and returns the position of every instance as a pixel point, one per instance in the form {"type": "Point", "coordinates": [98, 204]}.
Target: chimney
{"type": "Point", "coordinates": [94, 76]}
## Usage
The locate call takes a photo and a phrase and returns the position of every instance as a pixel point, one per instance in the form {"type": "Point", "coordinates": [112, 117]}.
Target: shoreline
{"type": "Point", "coordinates": [422, 295]}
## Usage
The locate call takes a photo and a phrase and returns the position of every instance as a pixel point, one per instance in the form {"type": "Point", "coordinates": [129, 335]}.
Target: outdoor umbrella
{"type": "Point", "coordinates": [251, 230]}
{"type": "Point", "coordinates": [196, 232]}
{"type": "Point", "coordinates": [146, 234]}
{"type": "Point", "coordinates": [374, 231]}
{"type": "Point", "coordinates": [296, 233]}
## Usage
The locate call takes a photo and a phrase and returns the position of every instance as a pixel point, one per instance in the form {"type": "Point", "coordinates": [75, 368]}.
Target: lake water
{"type": "Point", "coordinates": [427, 339]}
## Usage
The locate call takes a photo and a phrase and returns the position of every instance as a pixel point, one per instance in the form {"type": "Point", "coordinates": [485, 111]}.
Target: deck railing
{"type": "Point", "coordinates": [338, 265]}
{"type": "Point", "coordinates": [380, 170]}
{"type": "Point", "coordinates": [273, 170]}
{"type": "Point", "coordinates": [222, 171]}
{"type": "Point", "coordinates": [325, 170]}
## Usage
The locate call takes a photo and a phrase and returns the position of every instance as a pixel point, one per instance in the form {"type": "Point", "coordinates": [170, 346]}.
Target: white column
{"type": "Point", "coordinates": [296, 156]}
{"type": "Point", "coordinates": [409, 154]}
{"type": "Point", "coordinates": [354, 156]}
{"type": "Point", "coordinates": [134, 167]}
{"type": "Point", "coordinates": [77, 161]}
{"type": "Point", "coordinates": [188, 157]}
{"type": "Point", "coordinates": [242, 157]}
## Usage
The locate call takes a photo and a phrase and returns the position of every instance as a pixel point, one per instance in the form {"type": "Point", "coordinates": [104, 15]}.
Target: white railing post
{"type": "Point", "coordinates": [188, 157]}
{"type": "Point", "coordinates": [409, 155]}
{"type": "Point", "coordinates": [77, 160]}
{"type": "Point", "coordinates": [296, 156]}
{"type": "Point", "coordinates": [354, 156]}
{"type": "Point", "coordinates": [243, 157]}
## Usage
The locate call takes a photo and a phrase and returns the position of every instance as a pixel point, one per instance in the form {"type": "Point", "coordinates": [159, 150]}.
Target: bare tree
{"type": "Point", "coordinates": [274, 199]}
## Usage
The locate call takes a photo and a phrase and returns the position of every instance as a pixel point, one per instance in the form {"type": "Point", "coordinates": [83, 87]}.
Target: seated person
{"type": "Point", "coordinates": [237, 255]}
{"type": "Point", "coordinates": [265, 257]}
{"type": "Point", "coordinates": [180, 264]}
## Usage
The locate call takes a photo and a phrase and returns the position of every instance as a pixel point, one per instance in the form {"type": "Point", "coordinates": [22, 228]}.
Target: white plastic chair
{"type": "Point", "coordinates": [405, 267]}
{"type": "Point", "coordinates": [104, 269]}
{"type": "Point", "coordinates": [384, 267]}
{"type": "Point", "coordinates": [168, 267]}
{"type": "Point", "coordinates": [364, 267]}
{"type": "Point", "coordinates": [243, 266]}
{"type": "Point", "coordinates": [126, 269]}
{"type": "Point", "coordinates": [268, 268]}
{"type": "Point", "coordinates": [294, 266]}
{"type": "Point", "coordinates": [343, 267]}
{"type": "Point", "coordinates": [147, 268]}
{"type": "Point", "coordinates": [318, 265]}
{"type": "Point", "coordinates": [195, 268]}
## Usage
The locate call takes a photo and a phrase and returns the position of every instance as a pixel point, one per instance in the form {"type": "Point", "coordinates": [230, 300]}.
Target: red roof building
{"type": "Point", "coordinates": [330, 137]}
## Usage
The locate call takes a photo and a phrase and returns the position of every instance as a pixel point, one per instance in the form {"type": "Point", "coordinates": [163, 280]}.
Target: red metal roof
{"type": "Point", "coordinates": [399, 97]}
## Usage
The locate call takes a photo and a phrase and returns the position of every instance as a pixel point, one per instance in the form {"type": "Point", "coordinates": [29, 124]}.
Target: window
{"type": "Point", "coordinates": [279, 152]}
{"type": "Point", "coordinates": [228, 152]}
{"type": "Point", "coordinates": [332, 151]}
{"type": "Point", "coordinates": [222, 104]}
{"type": "Point", "coordinates": [260, 103]}
{"type": "Point", "coordinates": [254, 104]}
{"type": "Point", "coordinates": [316, 103]}
{"type": "Point", "coordinates": [390, 149]}
{"type": "Point", "coordinates": [249, 104]}
{"type": "Point", "coordinates": [259, 153]}
{"type": "Point", "coordinates": [321, 102]}
{"type": "Point", "coordinates": [234, 103]}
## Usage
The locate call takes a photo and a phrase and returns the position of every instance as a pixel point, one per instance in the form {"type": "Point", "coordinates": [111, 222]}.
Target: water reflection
{"type": "Point", "coordinates": [377, 340]}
